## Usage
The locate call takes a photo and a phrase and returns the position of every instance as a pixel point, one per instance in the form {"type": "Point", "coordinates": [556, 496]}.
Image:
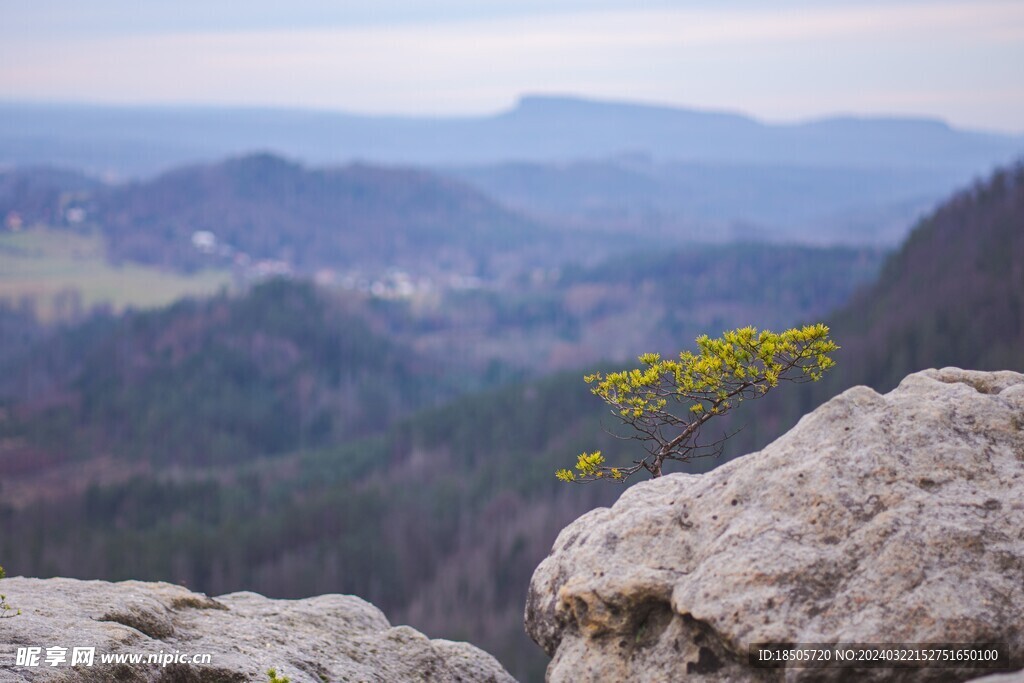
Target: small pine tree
{"type": "Point", "coordinates": [667, 402]}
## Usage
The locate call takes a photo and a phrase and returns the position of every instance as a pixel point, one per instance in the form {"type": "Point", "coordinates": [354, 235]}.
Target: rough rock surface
{"type": "Point", "coordinates": [327, 638]}
{"type": "Point", "coordinates": [877, 519]}
{"type": "Point", "coordinates": [1014, 677]}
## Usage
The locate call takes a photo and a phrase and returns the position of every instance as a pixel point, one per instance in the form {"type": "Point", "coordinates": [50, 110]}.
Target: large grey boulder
{"type": "Point", "coordinates": [877, 519]}
{"type": "Point", "coordinates": [327, 638]}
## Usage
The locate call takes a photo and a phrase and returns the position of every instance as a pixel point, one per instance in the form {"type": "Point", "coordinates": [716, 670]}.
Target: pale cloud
{"type": "Point", "coordinates": [776, 63]}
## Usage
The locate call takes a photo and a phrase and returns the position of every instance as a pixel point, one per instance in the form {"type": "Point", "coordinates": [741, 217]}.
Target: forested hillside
{"type": "Point", "coordinates": [272, 437]}
{"type": "Point", "coordinates": [952, 295]}
{"type": "Point", "coordinates": [213, 382]}
{"type": "Point", "coordinates": [554, 319]}
{"type": "Point", "coordinates": [264, 207]}
{"type": "Point", "coordinates": [438, 516]}
{"type": "Point", "coordinates": [269, 208]}
{"type": "Point", "coordinates": [439, 522]}
{"type": "Point", "coordinates": [721, 202]}
{"type": "Point", "coordinates": [41, 195]}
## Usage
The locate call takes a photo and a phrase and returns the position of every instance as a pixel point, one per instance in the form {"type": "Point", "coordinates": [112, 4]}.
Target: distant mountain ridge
{"type": "Point", "coordinates": [639, 169]}
{"type": "Point", "coordinates": [718, 202]}
{"type": "Point", "coordinates": [724, 137]}
{"type": "Point", "coordinates": [136, 140]}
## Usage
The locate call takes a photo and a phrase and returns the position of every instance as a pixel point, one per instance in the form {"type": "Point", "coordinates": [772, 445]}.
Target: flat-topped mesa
{"type": "Point", "coordinates": [891, 518]}
{"type": "Point", "coordinates": [326, 638]}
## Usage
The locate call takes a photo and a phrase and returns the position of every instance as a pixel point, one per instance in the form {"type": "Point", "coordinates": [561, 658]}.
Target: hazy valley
{"type": "Point", "coordinates": [378, 366]}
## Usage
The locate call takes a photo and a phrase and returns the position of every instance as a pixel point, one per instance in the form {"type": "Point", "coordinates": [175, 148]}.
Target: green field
{"type": "Point", "coordinates": [60, 271]}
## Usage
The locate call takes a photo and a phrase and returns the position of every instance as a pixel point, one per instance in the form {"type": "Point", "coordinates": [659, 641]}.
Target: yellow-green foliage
{"type": "Point", "coordinates": [667, 401]}
{"type": "Point", "coordinates": [274, 678]}
{"type": "Point", "coordinates": [5, 609]}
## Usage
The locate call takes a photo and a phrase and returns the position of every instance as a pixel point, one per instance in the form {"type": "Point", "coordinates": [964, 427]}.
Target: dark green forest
{"type": "Point", "coordinates": [218, 381]}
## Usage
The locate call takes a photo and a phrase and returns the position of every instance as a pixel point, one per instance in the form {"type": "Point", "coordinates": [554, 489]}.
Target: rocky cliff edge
{"type": "Point", "coordinates": [327, 638]}
{"type": "Point", "coordinates": [895, 518]}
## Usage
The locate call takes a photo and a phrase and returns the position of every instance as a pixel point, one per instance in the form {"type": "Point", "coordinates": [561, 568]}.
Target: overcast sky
{"type": "Point", "coordinates": [785, 60]}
